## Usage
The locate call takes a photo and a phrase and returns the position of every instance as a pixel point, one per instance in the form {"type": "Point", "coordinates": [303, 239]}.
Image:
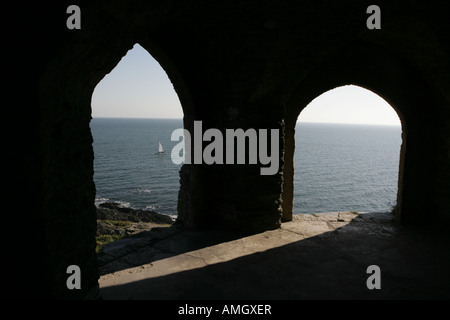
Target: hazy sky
{"type": "Point", "coordinates": [139, 88]}
{"type": "Point", "coordinates": [350, 104]}
{"type": "Point", "coordinates": [136, 88]}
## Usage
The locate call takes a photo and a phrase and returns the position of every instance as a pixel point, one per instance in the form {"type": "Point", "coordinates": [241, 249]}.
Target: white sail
{"type": "Point", "coordinates": [160, 150]}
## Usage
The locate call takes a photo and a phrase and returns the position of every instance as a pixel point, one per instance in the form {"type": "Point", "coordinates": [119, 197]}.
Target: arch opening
{"type": "Point", "coordinates": [134, 110]}
{"type": "Point", "coordinates": [347, 153]}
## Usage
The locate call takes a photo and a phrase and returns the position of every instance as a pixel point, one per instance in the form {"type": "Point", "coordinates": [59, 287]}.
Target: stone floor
{"type": "Point", "coordinates": [320, 256]}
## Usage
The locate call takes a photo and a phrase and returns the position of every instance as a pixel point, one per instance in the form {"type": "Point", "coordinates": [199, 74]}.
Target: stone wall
{"type": "Point", "coordinates": [233, 64]}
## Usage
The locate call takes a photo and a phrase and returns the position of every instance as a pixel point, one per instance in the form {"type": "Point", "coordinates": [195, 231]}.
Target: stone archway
{"type": "Point", "coordinates": [68, 159]}
{"type": "Point", "coordinates": [255, 65]}
{"type": "Point", "coordinates": [382, 72]}
{"type": "Point", "coordinates": [336, 167]}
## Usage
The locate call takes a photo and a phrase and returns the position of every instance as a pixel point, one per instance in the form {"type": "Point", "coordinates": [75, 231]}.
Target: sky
{"type": "Point", "coordinates": [136, 88]}
{"type": "Point", "coordinates": [139, 88]}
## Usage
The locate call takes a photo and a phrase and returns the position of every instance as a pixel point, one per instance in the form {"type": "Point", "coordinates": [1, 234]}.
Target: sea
{"type": "Point", "coordinates": [338, 167]}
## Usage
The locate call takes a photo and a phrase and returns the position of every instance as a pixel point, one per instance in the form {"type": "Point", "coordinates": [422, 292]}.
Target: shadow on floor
{"type": "Point", "coordinates": [414, 264]}
{"type": "Point", "coordinates": [158, 243]}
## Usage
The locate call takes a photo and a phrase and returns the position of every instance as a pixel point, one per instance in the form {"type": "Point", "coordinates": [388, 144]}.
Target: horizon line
{"type": "Point", "coordinates": [298, 121]}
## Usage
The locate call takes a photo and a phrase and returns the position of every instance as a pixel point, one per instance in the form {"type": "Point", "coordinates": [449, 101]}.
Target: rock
{"type": "Point", "coordinates": [106, 228]}
{"type": "Point", "coordinates": [114, 211]}
{"type": "Point", "coordinates": [137, 220]}
{"type": "Point", "coordinates": [110, 205]}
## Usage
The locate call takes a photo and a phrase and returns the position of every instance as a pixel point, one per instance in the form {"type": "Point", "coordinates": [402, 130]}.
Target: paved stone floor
{"type": "Point", "coordinates": [320, 256]}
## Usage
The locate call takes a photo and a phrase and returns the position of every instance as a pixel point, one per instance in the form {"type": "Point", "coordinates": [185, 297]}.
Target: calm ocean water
{"type": "Point", "coordinates": [337, 167]}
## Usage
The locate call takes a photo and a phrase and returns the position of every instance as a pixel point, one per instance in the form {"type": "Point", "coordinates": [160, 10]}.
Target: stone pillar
{"type": "Point", "coordinates": [191, 205]}
{"type": "Point", "coordinates": [243, 198]}
{"type": "Point", "coordinates": [441, 194]}
{"type": "Point", "coordinates": [235, 196]}
{"type": "Point", "coordinates": [423, 180]}
{"type": "Point", "coordinates": [68, 191]}
{"type": "Point", "coordinates": [288, 172]}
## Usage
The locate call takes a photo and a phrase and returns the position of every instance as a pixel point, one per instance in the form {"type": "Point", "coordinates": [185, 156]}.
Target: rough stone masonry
{"type": "Point", "coordinates": [233, 65]}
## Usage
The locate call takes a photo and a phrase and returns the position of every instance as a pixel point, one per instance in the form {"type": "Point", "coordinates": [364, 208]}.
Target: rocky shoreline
{"type": "Point", "coordinates": [116, 222]}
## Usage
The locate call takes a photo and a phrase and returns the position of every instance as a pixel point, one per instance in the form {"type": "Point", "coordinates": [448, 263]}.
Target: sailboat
{"type": "Point", "coordinates": [160, 148]}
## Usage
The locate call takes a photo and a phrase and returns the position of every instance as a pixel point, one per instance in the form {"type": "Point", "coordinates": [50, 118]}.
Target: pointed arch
{"type": "Point", "coordinates": [352, 183]}
{"type": "Point", "coordinates": [384, 73]}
